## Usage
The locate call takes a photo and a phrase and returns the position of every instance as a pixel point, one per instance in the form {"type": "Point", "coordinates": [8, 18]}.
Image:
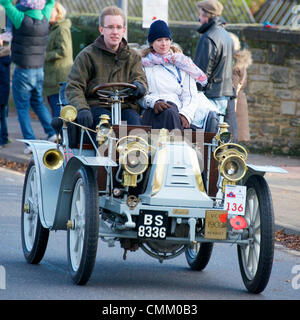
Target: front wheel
{"type": "Point", "coordinates": [256, 258]}
{"type": "Point", "coordinates": [84, 226]}
{"type": "Point", "coordinates": [34, 235]}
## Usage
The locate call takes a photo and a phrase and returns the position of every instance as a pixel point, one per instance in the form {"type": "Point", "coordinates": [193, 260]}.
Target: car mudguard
{"type": "Point", "coordinates": [260, 170]}
{"type": "Point", "coordinates": [48, 181]}
{"type": "Point", "coordinates": [62, 213]}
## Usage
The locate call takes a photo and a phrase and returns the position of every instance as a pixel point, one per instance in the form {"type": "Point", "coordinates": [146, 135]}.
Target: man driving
{"type": "Point", "coordinates": [109, 59]}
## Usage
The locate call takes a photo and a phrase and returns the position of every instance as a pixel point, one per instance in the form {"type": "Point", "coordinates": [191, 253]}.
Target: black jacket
{"type": "Point", "coordinates": [29, 43]}
{"type": "Point", "coordinates": [214, 56]}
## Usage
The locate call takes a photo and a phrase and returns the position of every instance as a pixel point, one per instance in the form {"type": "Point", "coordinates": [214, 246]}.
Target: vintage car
{"type": "Point", "coordinates": [168, 193]}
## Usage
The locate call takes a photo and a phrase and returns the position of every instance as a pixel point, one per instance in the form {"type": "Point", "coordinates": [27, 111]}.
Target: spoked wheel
{"type": "Point", "coordinates": [198, 256]}
{"type": "Point", "coordinates": [34, 235]}
{"type": "Point", "coordinates": [84, 229]}
{"type": "Point", "coordinates": [256, 258]}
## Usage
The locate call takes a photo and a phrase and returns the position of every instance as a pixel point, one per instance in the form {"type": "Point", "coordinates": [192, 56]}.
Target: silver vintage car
{"type": "Point", "coordinates": [167, 193]}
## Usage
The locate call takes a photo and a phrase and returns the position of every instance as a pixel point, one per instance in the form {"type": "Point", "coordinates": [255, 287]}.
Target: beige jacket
{"type": "Point", "coordinates": [242, 60]}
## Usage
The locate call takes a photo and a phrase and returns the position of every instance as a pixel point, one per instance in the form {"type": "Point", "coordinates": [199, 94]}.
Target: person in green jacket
{"type": "Point", "coordinates": [59, 56]}
{"type": "Point", "coordinates": [108, 59]}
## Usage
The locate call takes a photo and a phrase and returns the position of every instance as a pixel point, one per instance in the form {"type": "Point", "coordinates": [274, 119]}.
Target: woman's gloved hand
{"type": "Point", "coordinates": [160, 106]}
{"type": "Point", "coordinates": [85, 118]}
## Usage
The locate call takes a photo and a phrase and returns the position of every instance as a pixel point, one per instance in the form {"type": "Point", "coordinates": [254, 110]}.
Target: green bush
{"type": "Point", "coordinates": [85, 31]}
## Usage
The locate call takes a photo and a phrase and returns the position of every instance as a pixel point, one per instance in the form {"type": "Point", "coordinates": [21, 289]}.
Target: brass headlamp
{"type": "Point", "coordinates": [231, 156]}
{"type": "Point", "coordinates": [133, 155]}
{"type": "Point", "coordinates": [232, 161]}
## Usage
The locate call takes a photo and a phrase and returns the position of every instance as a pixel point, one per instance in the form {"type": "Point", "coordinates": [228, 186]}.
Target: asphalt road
{"type": "Point", "coordinates": [139, 277]}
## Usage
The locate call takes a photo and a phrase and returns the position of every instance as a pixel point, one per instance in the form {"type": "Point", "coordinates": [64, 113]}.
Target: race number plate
{"type": "Point", "coordinates": [235, 199]}
{"type": "Point", "coordinates": [152, 224]}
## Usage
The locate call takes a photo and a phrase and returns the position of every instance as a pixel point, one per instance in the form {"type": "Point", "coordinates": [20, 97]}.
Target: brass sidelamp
{"type": "Point", "coordinates": [231, 156]}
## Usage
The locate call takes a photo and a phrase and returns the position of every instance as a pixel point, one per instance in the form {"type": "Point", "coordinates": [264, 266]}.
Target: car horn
{"type": "Point", "coordinates": [53, 158]}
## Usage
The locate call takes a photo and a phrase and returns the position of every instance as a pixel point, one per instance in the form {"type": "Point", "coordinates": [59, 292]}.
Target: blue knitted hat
{"type": "Point", "coordinates": [158, 29]}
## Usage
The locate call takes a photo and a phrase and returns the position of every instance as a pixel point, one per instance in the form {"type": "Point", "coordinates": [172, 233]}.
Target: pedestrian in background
{"type": "Point", "coordinates": [59, 56]}
{"type": "Point", "coordinates": [4, 92]}
{"type": "Point", "coordinates": [242, 60]}
{"type": "Point", "coordinates": [214, 54]}
{"type": "Point", "coordinates": [24, 5]}
{"type": "Point", "coordinates": [30, 33]}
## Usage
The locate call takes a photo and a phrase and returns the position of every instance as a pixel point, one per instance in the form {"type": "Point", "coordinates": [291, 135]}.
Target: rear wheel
{"type": "Point", "coordinates": [84, 229]}
{"type": "Point", "coordinates": [256, 258]}
{"type": "Point", "coordinates": [198, 256]}
{"type": "Point", "coordinates": [34, 235]}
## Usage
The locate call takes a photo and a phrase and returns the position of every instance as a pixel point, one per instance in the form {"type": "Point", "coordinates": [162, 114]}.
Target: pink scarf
{"type": "Point", "coordinates": [180, 61]}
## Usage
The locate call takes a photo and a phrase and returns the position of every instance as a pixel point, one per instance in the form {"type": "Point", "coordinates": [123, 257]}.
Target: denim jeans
{"type": "Point", "coordinates": [54, 104]}
{"type": "Point", "coordinates": [3, 125]}
{"type": "Point", "coordinates": [27, 89]}
{"type": "Point", "coordinates": [221, 104]}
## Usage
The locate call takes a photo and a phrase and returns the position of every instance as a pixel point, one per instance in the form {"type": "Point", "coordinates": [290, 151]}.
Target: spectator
{"type": "Point", "coordinates": [230, 116]}
{"type": "Point", "coordinates": [30, 32]}
{"type": "Point", "coordinates": [108, 59]}
{"type": "Point", "coordinates": [242, 60]}
{"type": "Point", "coordinates": [173, 98]}
{"type": "Point", "coordinates": [214, 54]}
{"type": "Point", "coordinates": [59, 56]}
{"type": "Point", "coordinates": [4, 92]}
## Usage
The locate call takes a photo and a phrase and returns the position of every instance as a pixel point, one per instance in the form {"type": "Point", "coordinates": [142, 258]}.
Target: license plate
{"type": "Point", "coordinates": [235, 199]}
{"type": "Point", "coordinates": [152, 224]}
{"type": "Point", "coordinates": [215, 224]}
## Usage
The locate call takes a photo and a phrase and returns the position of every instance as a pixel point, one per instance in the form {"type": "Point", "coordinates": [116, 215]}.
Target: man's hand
{"type": "Point", "coordinates": [1, 43]}
{"type": "Point", "coordinates": [85, 118]}
{"type": "Point", "coordinates": [160, 106]}
{"type": "Point", "coordinates": [139, 91]}
{"type": "Point", "coordinates": [184, 121]}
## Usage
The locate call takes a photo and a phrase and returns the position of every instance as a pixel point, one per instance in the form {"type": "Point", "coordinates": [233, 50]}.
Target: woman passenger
{"type": "Point", "coordinates": [173, 98]}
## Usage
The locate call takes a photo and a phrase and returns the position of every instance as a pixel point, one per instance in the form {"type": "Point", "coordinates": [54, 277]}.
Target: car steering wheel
{"type": "Point", "coordinates": [120, 89]}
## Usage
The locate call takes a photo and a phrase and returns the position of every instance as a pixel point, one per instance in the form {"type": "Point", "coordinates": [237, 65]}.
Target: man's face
{"type": "Point", "coordinates": [113, 30]}
{"type": "Point", "coordinates": [202, 17]}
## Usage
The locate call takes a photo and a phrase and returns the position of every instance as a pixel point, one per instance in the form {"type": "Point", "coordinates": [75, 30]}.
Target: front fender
{"type": "Point", "coordinates": [260, 170]}
{"type": "Point", "coordinates": [62, 213]}
{"type": "Point", "coordinates": [48, 181]}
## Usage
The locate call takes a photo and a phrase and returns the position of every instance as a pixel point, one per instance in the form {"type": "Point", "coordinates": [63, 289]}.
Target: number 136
{"type": "Point", "coordinates": [234, 207]}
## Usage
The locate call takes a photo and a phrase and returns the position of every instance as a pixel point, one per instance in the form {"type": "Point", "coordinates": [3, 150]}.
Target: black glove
{"type": "Point", "coordinates": [139, 91]}
{"type": "Point", "coordinates": [85, 118]}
